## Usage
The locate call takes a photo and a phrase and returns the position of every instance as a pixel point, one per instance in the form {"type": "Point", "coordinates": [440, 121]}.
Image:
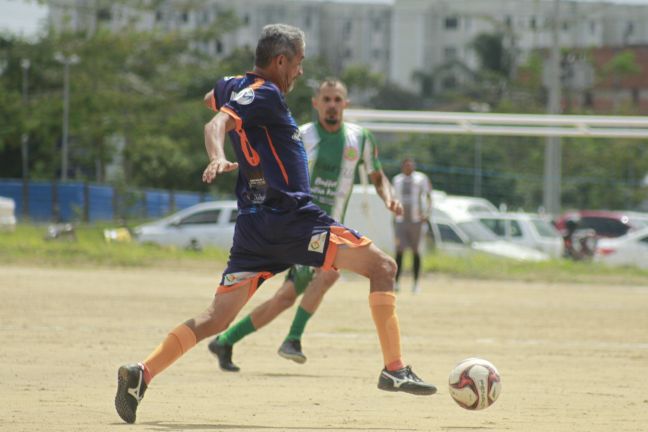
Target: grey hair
{"type": "Point", "coordinates": [278, 39]}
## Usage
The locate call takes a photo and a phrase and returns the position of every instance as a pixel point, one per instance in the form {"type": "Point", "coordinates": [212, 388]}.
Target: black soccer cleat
{"type": "Point", "coordinates": [130, 391]}
{"type": "Point", "coordinates": [291, 349]}
{"type": "Point", "coordinates": [404, 380]}
{"type": "Point", "coordinates": [223, 353]}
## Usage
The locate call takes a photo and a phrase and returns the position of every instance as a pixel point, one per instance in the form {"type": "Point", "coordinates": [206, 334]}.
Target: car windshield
{"type": "Point", "coordinates": [477, 232]}
{"type": "Point", "coordinates": [544, 228]}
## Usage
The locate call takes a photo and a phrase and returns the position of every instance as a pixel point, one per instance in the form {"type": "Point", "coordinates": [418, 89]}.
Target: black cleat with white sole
{"type": "Point", "coordinates": [291, 349]}
{"type": "Point", "coordinates": [404, 380]}
{"type": "Point", "coordinates": [130, 391]}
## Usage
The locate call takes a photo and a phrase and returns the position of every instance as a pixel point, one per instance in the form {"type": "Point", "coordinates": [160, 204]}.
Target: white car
{"type": "Point", "coordinates": [205, 224]}
{"type": "Point", "coordinates": [463, 206]}
{"type": "Point", "coordinates": [464, 236]}
{"type": "Point", "coordinates": [7, 214]}
{"type": "Point", "coordinates": [525, 229]}
{"type": "Point", "coordinates": [630, 249]}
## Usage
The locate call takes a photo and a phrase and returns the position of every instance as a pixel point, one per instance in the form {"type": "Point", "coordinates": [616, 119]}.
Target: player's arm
{"type": "Point", "coordinates": [386, 191]}
{"type": "Point", "coordinates": [215, 131]}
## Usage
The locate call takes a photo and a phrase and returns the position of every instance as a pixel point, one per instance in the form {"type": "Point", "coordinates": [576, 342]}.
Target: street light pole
{"type": "Point", "coordinates": [66, 61]}
{"type": "Point", "coordinates": [24, 143]}
{"type": "Point", "coordinates": [553, 147]}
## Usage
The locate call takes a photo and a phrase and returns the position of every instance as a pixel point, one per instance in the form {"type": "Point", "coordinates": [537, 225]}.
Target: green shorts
{"type": "Point", "coordinates": [300, 276]}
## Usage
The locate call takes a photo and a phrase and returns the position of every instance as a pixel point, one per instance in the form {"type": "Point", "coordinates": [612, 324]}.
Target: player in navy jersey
{"type": "Point", "coordinates": [278, 225]}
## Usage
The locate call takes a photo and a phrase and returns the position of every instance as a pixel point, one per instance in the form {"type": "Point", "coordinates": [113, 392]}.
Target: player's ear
{"type": "Point", "coordinates": [314, 102]}
{"type": "Point", "coordinates": [346, 103]}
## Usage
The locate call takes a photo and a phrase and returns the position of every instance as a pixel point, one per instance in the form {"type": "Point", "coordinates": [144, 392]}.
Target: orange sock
{"type": "Point", "coordinates": [383, 311]}
{"type": "Point", "coordinates": [180, 340]}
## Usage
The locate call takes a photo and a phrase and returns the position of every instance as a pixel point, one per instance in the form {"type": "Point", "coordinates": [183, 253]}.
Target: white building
{"type": "Point", "coordinates": [394, 37]}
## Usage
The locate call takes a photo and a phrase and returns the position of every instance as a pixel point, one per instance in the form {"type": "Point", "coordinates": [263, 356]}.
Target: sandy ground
{"type": "Point", "coordinates": [571, 357]}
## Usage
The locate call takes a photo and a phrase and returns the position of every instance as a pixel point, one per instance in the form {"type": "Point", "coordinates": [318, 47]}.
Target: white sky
{"type": "Point", "coordinates": [21, 17]}
{"type": "Point", "coordinates": [26, 17]}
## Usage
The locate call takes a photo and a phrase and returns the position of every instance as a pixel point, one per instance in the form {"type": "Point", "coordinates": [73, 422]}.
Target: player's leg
{"type": "Point", "coordinates": [133, 379]}
{"type": "Point", "coordinates": [398, 231]}
{"type": "Point", "coordinates": [417, 240]}
{"type": "Point", "coordinates": [222, 345]}
{"type": "Point", "coordinates": [314, 285]}
{"type": "Point", "coordinates": [380, 269]}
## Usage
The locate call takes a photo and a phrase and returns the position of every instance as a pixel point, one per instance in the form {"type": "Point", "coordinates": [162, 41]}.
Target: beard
{"type": "Point", "coordinates": [332, 117]}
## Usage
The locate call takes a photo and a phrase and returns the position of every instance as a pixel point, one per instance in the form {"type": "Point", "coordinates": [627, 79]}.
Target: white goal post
{"type": "Point", "coordinates": [437, 122]}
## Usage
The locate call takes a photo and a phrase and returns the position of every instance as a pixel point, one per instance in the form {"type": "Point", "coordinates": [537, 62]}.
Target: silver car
{"type": "Point", "coordinates": [205, 224]}
{"type": "Point", "coordinates": [525, 229]}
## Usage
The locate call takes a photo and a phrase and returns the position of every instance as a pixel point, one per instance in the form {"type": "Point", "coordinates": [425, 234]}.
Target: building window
{"type": "Point", "coordinates": [589, 99]}
{"type": "Point", "coordinates": [452, 23]}
{"type": "Point", "coordinates": [185, 16]}
{"type": "Point", "coordinates": [219, 47]}
{"type": "Point", "coordinates": [532, 23]}
{"type": "Point", "coordinates": [449, 53]}
{"type": "Point", "coordinates": [636, 96]}
{"type": "Point", "coordinates": [592, 27]}
{"type": "Point", "coordinates": [346, 31]}
{"type": "Point", "coordinates": [508, 21]}
{"type": "Point", "coordinates": [158, 16]}
{"type": "Point", "coordinates": [246, 19]}
{"type": "Point", "coordinates": [104, 14]}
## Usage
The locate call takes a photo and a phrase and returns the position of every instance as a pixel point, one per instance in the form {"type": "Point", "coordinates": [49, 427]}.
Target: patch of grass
{"type": "Point", "coordinates": [27, 245]}
{"type": "Point", "coordinates": [480, 266]}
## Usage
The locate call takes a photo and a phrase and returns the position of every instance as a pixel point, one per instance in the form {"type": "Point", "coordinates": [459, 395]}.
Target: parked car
{"type": "Point", "coordinates": [7, 214]}
{"type": "Point", "coordinates": [466, 235]}
{"type": "Point", "coordinates": [604, 223]}
{"type": "Point", "coordinates": [463, 206]}
{"type": "Point", "coordinates": [205, 224]}
{"type": "Point", "coordinates": [526, 229]}
{"type": "Point", "coordinates": [630, 249]}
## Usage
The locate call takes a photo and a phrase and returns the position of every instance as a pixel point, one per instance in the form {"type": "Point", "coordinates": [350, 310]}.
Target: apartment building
{"type": "Point", "coordinates": [394, 37]}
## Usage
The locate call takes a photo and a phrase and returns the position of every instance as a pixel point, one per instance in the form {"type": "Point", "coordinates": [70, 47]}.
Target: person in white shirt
{"type": "Point", "coordinates": [414, 190]}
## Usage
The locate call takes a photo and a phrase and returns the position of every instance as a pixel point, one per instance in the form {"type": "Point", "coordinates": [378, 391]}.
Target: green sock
{"type": "Point", "coordinates": [298, 324]}
{"type": "Point", "coordinates": [237, 332]}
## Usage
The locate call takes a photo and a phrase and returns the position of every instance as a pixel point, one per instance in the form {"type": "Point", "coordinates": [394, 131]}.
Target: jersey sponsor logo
{"type": "Point", "coordinates": [317, 242]}
{"type": "Point", "coordinates": [244, 97]}
{"type": "Point", "coordinates": [351, 153]}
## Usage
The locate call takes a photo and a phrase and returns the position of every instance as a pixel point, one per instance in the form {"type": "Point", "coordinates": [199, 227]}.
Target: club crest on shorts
{"type": "Point", "coordinates": [317, 242]}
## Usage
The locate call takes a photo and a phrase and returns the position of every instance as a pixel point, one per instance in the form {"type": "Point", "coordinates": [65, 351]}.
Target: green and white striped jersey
{"type": "Point", "coordinates": [333, 161]}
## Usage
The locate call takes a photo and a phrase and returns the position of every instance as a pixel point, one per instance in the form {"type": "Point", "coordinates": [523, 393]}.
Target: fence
{"type": "Point", "coordinates": [44, 201]}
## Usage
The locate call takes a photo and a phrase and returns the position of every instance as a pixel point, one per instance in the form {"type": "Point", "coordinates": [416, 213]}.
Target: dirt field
{"type": "Point", "coordinates": [572, 357]}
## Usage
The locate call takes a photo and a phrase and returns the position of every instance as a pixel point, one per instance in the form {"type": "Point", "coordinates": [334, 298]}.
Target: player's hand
{"type": "Point", "coordinates": [216, 167]}
{"type": "Point", "coordinates": [395, 207]}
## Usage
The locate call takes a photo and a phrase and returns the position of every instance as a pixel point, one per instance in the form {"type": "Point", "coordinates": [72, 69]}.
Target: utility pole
{"type": "Point", "coordinates": [24, 141]}
{"type": "Point", "coordinates": [553, 146]}
{"type": "Point", "coordinates": [66, 61]}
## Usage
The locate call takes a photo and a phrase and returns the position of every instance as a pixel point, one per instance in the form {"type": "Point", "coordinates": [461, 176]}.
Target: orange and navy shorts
{"type": "Point", "coordinates": [267, 242]}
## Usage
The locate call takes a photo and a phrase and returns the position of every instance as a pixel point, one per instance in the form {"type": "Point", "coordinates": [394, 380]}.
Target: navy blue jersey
{"type": "Point", "coordinates": [273, 167]}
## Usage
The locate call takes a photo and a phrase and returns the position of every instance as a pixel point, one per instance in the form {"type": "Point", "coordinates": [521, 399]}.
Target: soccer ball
{"type": "Point", "coordinates": [474, 384]}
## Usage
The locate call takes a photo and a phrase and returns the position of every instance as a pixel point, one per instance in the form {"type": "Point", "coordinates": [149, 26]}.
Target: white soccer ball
{"type": "Point", "coordinates": [474, 384]}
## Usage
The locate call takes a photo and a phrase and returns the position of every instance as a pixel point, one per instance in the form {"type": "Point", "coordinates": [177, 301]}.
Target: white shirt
{"type": "Point", "coordinates": [414, 192]}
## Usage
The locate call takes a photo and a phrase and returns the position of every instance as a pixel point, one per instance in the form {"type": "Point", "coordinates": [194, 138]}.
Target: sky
{"type": "Point", "coordinates": [25, 17]}
{"type": "Point", "coordinates": [21, 17]}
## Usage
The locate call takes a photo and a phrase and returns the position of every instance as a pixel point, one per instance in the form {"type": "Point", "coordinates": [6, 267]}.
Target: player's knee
{"type": "Point", "coordinates": [285, 300]}
{"type": "Point", "coordinates": [384, 267]}
{"type": "Point", "coordinates": [329, 279]}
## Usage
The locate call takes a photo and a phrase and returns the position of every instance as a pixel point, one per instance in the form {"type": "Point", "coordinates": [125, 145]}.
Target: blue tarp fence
{"type": "Point", "coordinates": [51, 201]}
